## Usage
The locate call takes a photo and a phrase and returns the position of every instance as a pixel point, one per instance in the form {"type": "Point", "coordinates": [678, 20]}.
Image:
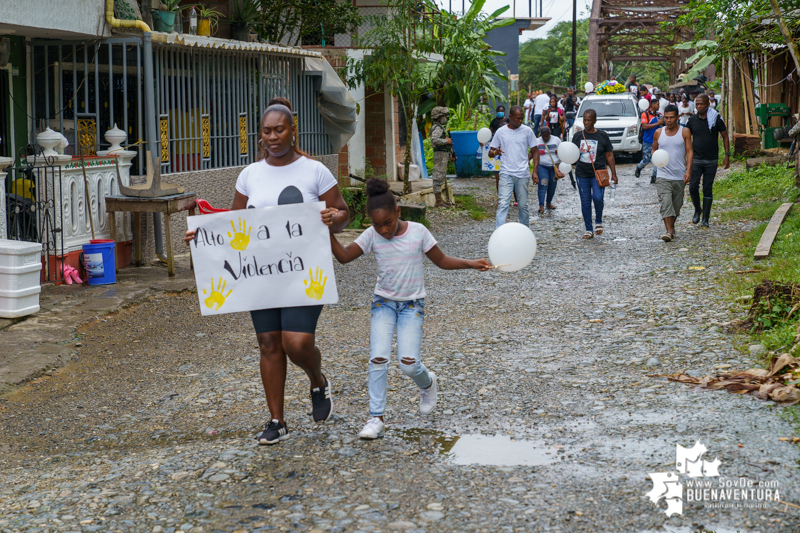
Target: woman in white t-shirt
{"type": "Point", "coordinates": [685, 110]}
{"type": "Point", "coordinates": [288, 176]}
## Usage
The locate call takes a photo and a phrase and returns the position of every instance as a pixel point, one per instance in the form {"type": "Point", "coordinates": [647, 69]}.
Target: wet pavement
{"type": "Point", "coordinates": [551, 413]}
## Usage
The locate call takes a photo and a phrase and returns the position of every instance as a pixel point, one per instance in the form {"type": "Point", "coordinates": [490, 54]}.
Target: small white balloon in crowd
{"type": "Point", "coordinates": [565, 167]}
{"type": "Point", "coordinates": [568, 152]}
{"type": "Point", "coordinates": [660, 158]}
{"type": "Point", "coordinates": [589, 87]}
{"type": "Point", "coordinates": [484, 135]}
{"type": "Point", "coordinates": [644, 105]}
{"type": "Point", "coordinates": [512, 247]}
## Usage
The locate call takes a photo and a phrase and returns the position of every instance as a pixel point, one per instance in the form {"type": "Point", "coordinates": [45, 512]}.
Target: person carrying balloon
{"type": "Point", "coordinates": [515, 142]}
{"type": "Point", "coordinates": [595, 153]}
{"type": "Point", "coordinates": [398, 302]}
{"type": "Point", "coordinates": [672, 157]}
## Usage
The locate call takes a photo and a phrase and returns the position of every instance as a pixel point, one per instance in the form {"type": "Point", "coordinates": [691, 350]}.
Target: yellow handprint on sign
{"type": "Point", "coordinates": [216, 299]}
{"type": "Point", "coordinates": [315, 289]}
{"type": "Point", "coordinates": [240, 240]}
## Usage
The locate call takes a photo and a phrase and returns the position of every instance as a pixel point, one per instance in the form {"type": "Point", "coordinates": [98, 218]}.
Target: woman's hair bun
{"type": "Point", "coordinates": [377, 186]}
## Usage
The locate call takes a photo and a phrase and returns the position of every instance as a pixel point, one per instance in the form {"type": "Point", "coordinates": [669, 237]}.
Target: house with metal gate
{"type": "Point", "coordinates": [189, 104]}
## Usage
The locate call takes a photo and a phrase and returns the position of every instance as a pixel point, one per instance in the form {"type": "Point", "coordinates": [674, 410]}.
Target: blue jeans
{"type": "Point", "coordinates": [547, 184]}
{"type": "Point", "coordinates": [647, 154]}
{"type": "Point", "coordinates": [537, 119]}
{"type": "Point", "coordinates": [506, 186]}
{"type": "Point", "coordinates": [590, 192]}
{"type": "Point", "coordinates": [406, 318]}
{"type": "Point", "coordinates": [570, 122]}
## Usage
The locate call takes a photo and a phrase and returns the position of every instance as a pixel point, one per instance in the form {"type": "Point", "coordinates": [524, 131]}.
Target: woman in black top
{"type": "Point", "coordinates": [596, 148]}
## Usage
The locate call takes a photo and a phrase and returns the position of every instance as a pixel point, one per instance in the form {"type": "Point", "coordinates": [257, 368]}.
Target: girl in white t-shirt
{"type": "Point", "coordinates": [288, 176]}
{"type": "Point", "coordinates": [685, 110]}
{"type": "Point", "coordinates": [398, 302]}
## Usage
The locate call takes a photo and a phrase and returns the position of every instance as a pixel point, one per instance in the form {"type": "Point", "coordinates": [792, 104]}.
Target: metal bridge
{"type": "Point", "coordinates": [630, 31]}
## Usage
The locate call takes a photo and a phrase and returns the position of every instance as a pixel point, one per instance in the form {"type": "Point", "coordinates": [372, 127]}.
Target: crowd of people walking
{"type": "Point", "coordinates": [684, 124]}
{"type": "Point", "coordinates": [528, 140]}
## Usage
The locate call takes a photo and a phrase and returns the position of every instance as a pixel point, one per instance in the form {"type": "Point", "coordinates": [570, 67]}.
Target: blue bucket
{"type": "Point", "coordinates": [98, 259]}
{"type": "Point", "coordinates": [465, 146]}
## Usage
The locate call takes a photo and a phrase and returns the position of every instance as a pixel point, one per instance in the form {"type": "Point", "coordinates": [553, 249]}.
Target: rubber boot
{"type": "Point", "coordinates": [706, 212]}
{"type": "Point", "coordinates": [697, 209]}
{"type": "Point", "coordinates": [439, 201]}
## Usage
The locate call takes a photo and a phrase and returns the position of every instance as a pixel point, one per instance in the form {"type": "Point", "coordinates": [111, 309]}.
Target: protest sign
{"type": "Point", "coordinates": [489, 164]}
{"type": "Point", "coordinates": [262, 258]}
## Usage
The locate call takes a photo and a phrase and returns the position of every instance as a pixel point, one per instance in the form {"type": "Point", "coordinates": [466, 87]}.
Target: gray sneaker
{"type": "Point", "coordinates": [427, 400]}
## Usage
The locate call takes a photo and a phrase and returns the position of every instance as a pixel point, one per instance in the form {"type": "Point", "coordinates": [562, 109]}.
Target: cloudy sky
{"type": "Point", "coordinates": [557, 10]}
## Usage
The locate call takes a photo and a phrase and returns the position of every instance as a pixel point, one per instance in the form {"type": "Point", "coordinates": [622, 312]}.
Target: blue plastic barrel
{"type": "Point", "coordinates": [98, 259]}
{"type": "Point", "coordinates": [465, 145]}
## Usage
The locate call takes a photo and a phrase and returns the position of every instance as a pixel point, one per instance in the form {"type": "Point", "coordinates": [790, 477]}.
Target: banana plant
{"type": "Point", "coordinates": [706, 55]}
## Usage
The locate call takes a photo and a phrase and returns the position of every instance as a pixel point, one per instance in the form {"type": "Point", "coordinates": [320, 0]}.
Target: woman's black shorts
{"type": "Point", "coordinates": [297, 319]}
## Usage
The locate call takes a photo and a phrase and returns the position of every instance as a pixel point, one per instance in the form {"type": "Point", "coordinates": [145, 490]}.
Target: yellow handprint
{"type": "Point", "coordinates": [216, 299]}
{"type": "Point", "coordinates": [240, 240]}
{"type": "Point", "coordinates": [315, 289]}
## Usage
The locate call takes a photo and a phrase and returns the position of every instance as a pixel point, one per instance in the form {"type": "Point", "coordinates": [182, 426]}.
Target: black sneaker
{"type": "Point", "coordinates": [652, 179]}
{"type": "Point", "coordinates": [638, 172]}
{"type": "Point", "coordinates": [273, 433]}
{"type": "Point", "coordinates": [321, 402]}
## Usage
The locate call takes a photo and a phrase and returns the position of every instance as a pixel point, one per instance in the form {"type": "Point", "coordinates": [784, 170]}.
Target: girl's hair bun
{"type": "Point", "coordinates": [377, 186]}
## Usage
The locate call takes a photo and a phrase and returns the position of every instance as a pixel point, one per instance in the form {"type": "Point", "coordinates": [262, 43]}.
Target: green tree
{"type": "Point", "coordinates": [746, 27]}
{"type": "Point", "coordinates": [302, 21]}
{"type": "Point", "coordinates": [547, 62]}
{"type": "Point", "coordinates": [468, 70]}
{"type": "Point", "coordinates": [399, 60]}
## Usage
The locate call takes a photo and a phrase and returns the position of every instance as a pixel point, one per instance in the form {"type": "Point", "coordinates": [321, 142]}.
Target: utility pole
{"type": "Point", "coordinates": [574, 42]}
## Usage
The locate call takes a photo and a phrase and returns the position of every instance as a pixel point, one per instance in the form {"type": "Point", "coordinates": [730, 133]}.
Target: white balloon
{"type": "Point", "coordinates": [568, 152]}
{"type": "Point", "coordinates": [484, 134]}
{"type": "Point", "coordinates": [660, 158]}
{"type": "Point", "coordinates": [564, 167]}
{"type": "Point", "coordinates": [644, 105]}
{"type": "Point", "coordinates": [512, 247]}
{"type": "Point", "coordinates": [589, 87]}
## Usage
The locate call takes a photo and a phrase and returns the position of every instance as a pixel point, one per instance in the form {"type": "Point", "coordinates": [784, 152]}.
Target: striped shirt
{"type": "Point", "coordinates": [400, 272]}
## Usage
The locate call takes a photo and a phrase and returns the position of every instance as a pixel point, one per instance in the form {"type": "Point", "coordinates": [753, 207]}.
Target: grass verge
{"type": "Point", "coordinates": [755, 195]}
{"type": "Point", "coordinates": [469, 204]}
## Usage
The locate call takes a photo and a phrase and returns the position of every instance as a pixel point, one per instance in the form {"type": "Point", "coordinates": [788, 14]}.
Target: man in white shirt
{"type": "Point", "coordinates": [514, 142]}
{"type": "Point", "coordinates": [540, 103]}
{"type": "Point", "coordinates": [528, 107]}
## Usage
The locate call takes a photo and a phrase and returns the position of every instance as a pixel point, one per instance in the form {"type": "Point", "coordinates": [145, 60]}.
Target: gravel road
{"type": "Point", "coordinates": [551, 413]}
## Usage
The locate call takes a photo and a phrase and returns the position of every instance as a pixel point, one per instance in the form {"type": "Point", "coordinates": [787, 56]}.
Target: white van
{"type": "Point", "coordinates": [619, 116]}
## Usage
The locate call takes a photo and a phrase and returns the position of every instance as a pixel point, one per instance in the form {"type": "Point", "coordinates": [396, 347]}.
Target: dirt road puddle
{"type": "Point", "coordinates": [491, 450]}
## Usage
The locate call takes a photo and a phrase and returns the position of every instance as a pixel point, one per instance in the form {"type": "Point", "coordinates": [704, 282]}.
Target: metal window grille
{"type": "Point", "coordinates": [209, 104]}
{"type": "Point", "coordinates": [82, 89]}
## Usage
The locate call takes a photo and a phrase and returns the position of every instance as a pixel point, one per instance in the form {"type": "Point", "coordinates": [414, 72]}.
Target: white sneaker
{"type": "Point", "coordinates": [427, 400]}
{"type": "Point", "coordinates": [373, 429]}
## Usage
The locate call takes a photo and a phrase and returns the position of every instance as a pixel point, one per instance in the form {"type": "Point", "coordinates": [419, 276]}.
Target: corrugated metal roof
{"type": "Point", "coordinates": [197, 41]}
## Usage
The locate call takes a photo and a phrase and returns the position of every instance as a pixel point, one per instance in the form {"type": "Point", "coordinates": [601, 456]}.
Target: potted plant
{"type": "Point", "coordinates": [206, 20]}
{"type": "Point", "coordinates": [164, 16]}
{"type": "Point", "coordinates": [245, 15]}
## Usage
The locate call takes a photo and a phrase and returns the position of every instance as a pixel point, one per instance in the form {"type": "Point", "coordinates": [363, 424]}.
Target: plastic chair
{"type": "Point", "coordinates": [206, 208]}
